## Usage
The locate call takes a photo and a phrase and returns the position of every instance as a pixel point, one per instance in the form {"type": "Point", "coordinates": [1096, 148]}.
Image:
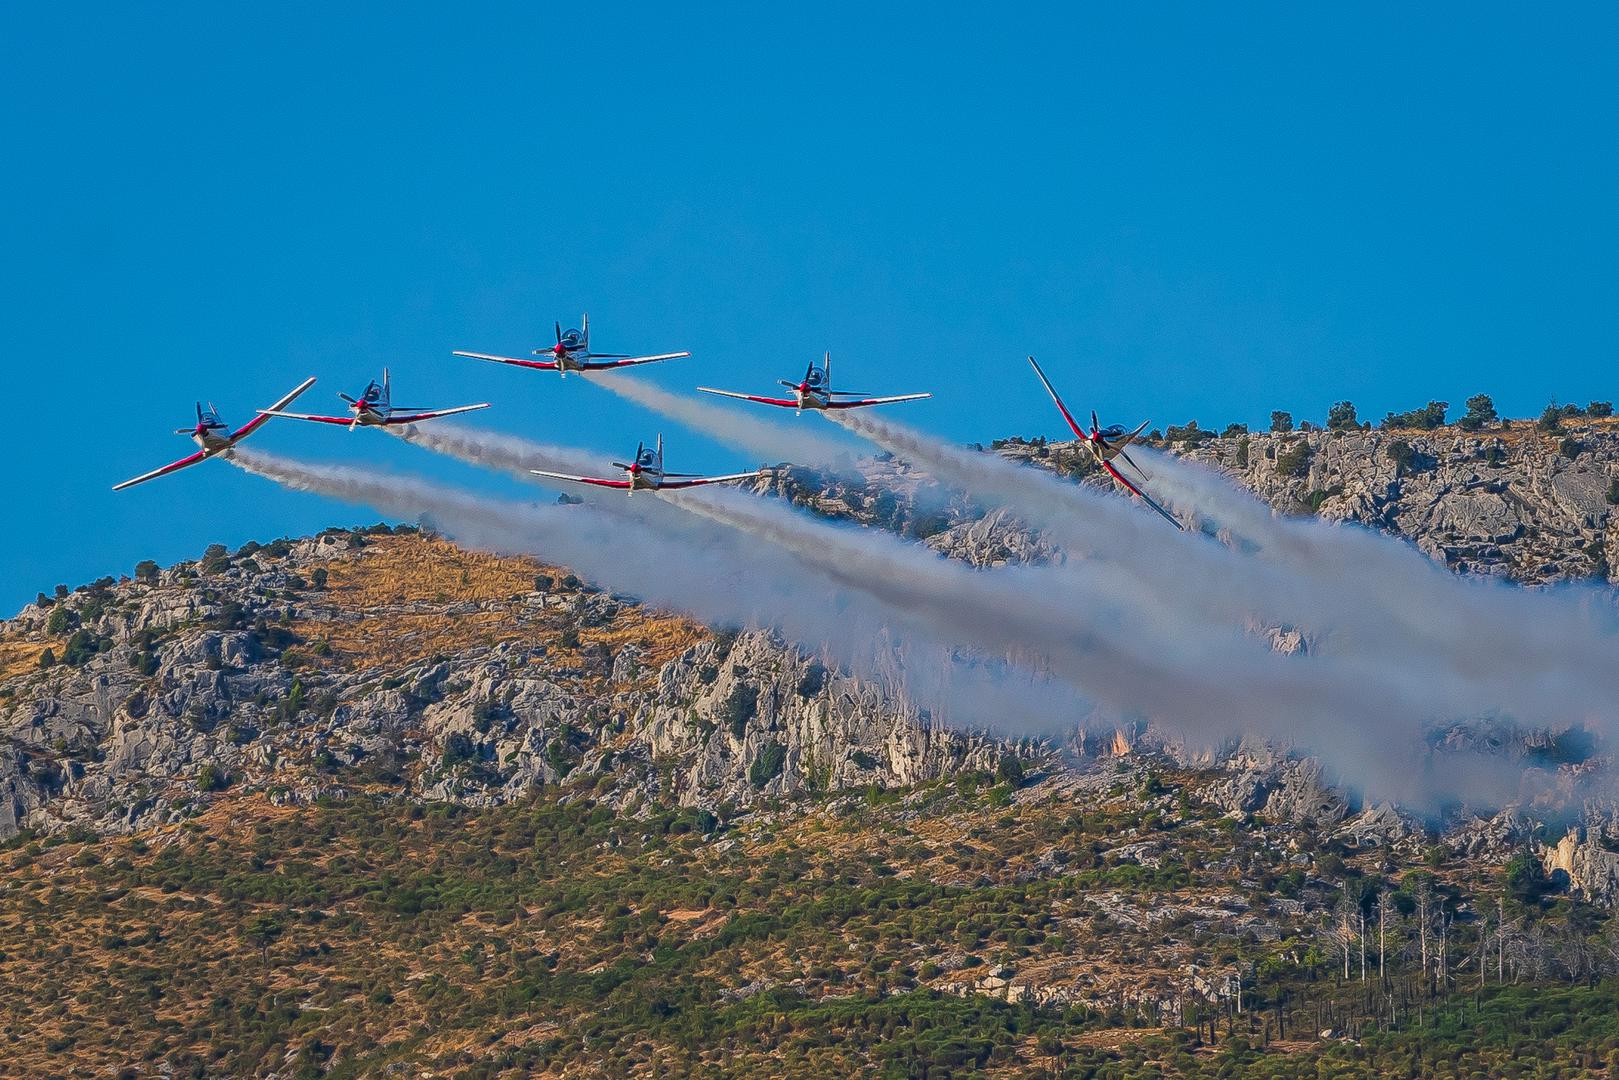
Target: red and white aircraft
{"type": "Point", "coordinates": [375, 408]}
{"type": "Point", "coordinates": [814, 391]}
{"type": "Point", "coordinates": [646, 473]}
{"type": "Point", "coordinates": [209, 433]}
{"type": "Point", "coordinates": [572, 353]}
{"type": "Point", "coordinates": [1106, 444]}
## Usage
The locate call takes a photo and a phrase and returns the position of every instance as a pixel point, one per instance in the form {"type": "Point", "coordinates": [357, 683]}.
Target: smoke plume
{"type": "Point", "coordinates": [773, 441]}
{"type": "Point", "coordinates": [1430, 648]}
{"type": "Point", "coordinates": [715, 574]}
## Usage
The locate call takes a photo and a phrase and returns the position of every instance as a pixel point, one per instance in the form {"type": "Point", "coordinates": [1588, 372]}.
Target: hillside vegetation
{"type": "Point", "coordinates": [369, 804]}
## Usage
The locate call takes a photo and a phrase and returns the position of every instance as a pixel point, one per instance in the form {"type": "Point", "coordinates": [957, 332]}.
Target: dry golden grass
{"type": "Point", "coordinates": [390, 603]}
{"type": "Point", "coordinates": [21, 657]}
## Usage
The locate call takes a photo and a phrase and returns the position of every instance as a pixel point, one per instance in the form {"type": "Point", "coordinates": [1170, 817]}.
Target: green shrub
{"type": "Point", "coordinates": [1426, 419]}
{"type": "Point", "coordinates": [768, 765]}
{"type": "Point", "coordinates": [1480, 411]}
{"type": "Point", "coordinates": [740, 706]}
{"type": "Point", "coordinates": [80, 648]}
{"type": "Point", "coordinates": [1010, 770]}
{"type": "Point", "coordinates": [215, 558]}
{"type": "Point", "coordinates": [60, 621]}
{"type": "Point", "coordinates": [1341, 417]}
{"type": "Point", "coordinates": [1294, 459]}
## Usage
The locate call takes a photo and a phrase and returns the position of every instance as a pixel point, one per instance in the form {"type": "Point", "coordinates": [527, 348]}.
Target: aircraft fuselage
{"type": "Point", "coordinates": [566, 357]}
{"type": "Point", "coordinates": [369, 415]}
{"type": "Point", "coordinates": [211, 441]}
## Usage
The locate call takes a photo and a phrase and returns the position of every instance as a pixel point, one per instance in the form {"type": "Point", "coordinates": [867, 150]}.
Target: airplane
{"type": "Point", "coordinates": [374, 408]}
{"type": "Point", "coordinates": [814, 391]}
{"type": "Point", "coordinates": [207, 433]}
{"type": "Point", "coordinates": [1106, 445]}
{"type": "Point", "coordinates": [572, 353]}
{"type": "Point", "coordinates": [646, 474]}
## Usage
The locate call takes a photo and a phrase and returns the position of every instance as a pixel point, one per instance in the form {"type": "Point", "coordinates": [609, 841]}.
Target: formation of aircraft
{"type": "Point", "coordinates": [814, 391]}
{"type": "Point", "coordinates": [374, 408]}
{"type": "Point", "coordinates": [1107, 445]}
{"type": "Point", "coordinates": [646, 473]}
{"type": "Point", "coordinates": [209, 433]}
{"type": "Point", "coordinates": [572, 353]}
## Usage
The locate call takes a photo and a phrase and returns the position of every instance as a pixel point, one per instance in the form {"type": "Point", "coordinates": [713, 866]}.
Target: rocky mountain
{"type": "Point", "coordinates": [390, 658]}
{"type": "Point", "coordinates": [1512, 500]}
{"type": "Point", "coordinates": [354, 660]}
{"type": "Point", "coordinates": [473, 814]}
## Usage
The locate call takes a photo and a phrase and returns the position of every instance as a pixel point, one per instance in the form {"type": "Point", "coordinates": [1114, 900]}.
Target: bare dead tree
{"type": "Point", "coordinates": [1500, 939]}
{"type": "Point", "coordinates": [1345, 939]}
{"type": "Point", "coordinates": [1441, 960]}
{"type": "Point", "coordinates": [1424, 914]}
{"type": "Point", "coordinates": [1382, 932]}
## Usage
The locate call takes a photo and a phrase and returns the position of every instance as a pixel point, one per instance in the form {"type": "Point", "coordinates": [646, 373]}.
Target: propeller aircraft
{"type": "Point", "coordinates": [646, 473]}
{"type": "Point", "coordinates": [210, 433]}
{"type": "Point", "coordinates": [1107, 445]}
{"type": "Point", "coordinates": [572, 353]}
{"type": "Point", "coordinates": [374, 408]}
{"type": "Point", "coordinates": [814, 391]}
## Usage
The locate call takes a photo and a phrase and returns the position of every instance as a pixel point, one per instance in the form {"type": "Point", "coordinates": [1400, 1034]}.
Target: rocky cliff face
{"type": "Point", "coordinates": [415, 666]}
{"type": "Point", "coordinates": [1510, 500]}
{"type": "Point", "coordinates": [397, 663]}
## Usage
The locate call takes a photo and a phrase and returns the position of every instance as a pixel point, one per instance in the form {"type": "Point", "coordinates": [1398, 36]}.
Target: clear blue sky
{"type": "Point", "coordinates": [1186, 211]}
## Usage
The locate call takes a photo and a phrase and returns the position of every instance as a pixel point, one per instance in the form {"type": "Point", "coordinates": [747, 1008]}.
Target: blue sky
{"type": "Point", "coordinates": [1186, 211]}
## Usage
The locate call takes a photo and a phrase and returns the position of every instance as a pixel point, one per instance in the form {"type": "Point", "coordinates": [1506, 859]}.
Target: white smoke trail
{"type": "Point", "coordinates": [1207, 685]}
{"type": "Point", "coordinates": [713, 574]}
{"type": "Point", "coordinates": [1564, 641]}
{"type": "Point", "coordinates": [773, 442]}
{"type": "Point", "coordinates": [1359, 593]}
{"type": "Point", "coordinates": [1537, 659]}
{"type": "Point", "coordinates": [498, 451]}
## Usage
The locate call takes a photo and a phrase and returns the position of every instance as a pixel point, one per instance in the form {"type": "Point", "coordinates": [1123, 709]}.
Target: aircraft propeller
{"type": "Point", "coordinates": [202, 425]}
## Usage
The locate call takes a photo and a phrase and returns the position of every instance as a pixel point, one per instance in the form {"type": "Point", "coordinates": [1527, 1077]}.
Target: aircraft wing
{"type": "Point", "coordinates": [411, 418]}
{"type": "Point", "coordinates": [863, 402]}
{"type": "Point", "coordinates": [631, 361]}
{"type": "Point", "coordinates": [173, 466]}
{"type": "Point", "coordinates": [264, 414]}
{"type": "Point", "coordinates": [675, 484]}
{"type": "Point", "coordinates": [1066, 415]}
{"type": "Point", "coordinates": [785, 403]}
{"type": "Point", "coordinates": [1126, 440]}
{"type": "Point", "coordinates": [543, 365]}
{"type": "Point", "coordinates": [620, 484]}
{"type": "Point", "coordinates": [1108, 465]}
{"type": "Point", "coordinates": [343, 420]}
